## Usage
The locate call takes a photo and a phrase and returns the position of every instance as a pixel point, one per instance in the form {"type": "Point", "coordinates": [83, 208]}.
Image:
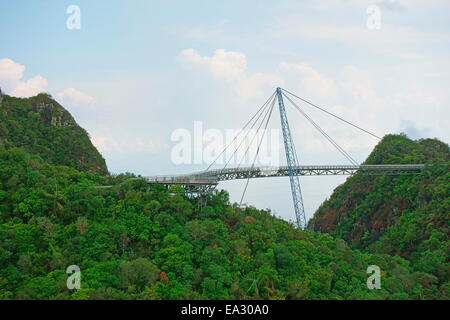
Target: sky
{"type": "Point", "coordinates": [135, 73]}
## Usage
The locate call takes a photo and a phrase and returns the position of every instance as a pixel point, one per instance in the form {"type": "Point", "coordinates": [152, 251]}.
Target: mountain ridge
{"type": "Point", "coordinates": [405, 215]}
{"type": "Point", "coordinates": [44, 127]}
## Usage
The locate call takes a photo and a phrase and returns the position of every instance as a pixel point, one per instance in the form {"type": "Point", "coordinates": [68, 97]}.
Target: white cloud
{"type": "Point", "coordinates": [31, 87]}
{"type": "Point", "coordinates": [76, 97]}
{"type": "Point", "coordinates": [307, 79]}
{"type": "Point", "coordinates": [222, 64]}
{"type": "Point", "coordinates": [10, 73]}
{"type": "Point", "coordinates": [11, 78]}
{"type": "Point", "coordinates": [12, 83]}
{"type": "Point", "coordinates": [231, 67]}
{"type": "Point", "coordinates": [358, 83]}
{"type": "Point", "coordinates": [109, 144]}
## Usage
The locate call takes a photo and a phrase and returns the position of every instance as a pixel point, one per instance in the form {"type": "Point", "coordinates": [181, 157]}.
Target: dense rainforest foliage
{"type": "Point", "coordinates": [137, 241]}
{"type": "Point", "coordinates": [405, 215]}
{"type": "Point", "coordinates": [140, 241]}
{"type": "Point", "coordinates": [42, 126]}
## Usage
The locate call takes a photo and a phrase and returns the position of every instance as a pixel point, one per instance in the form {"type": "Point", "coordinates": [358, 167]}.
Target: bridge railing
{"type": "Point", "coordinates": [273, 170]}
{"type": "Point", "coordinates": [185, 179]}
{"type": "Point", "coordinates": [214, 176]}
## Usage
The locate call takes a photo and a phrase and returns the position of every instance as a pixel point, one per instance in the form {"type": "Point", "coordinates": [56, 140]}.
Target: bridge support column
{"type": "Point", "coordinates": [292, 163]}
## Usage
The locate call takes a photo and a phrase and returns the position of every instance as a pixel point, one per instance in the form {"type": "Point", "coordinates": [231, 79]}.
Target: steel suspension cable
{"type": "Point", "coordinates": [331, 114]}
{"type": "Point", "coordinates": [334, 143]}
{"type": "Point", "coordinates": [267, 108]}
{"type": "Point", "coordinates": [257, 151]}
{"type": "Point", "coordinates": [242, 130]}
{"type": "Point", "coordinates": [269, 111]}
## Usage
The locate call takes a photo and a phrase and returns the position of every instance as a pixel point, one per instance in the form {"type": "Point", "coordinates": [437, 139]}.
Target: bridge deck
{"type": "Point", "coordinates": [212, 177]}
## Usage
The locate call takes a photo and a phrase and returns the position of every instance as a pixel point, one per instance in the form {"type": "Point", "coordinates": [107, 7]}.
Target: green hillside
{"type": "Point", "coordinates": [138, 241]}
{"type": "Point", "coordinates": [407, 215]}
{"type": "Point", "coordinates": [141, 241]}
{"type": "Point", "coordinates": [42, 126]}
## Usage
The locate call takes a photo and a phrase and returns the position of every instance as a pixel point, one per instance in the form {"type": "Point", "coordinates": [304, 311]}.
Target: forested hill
{"type": "Point", "coordinates": [141, 241]}
{"type": "Point", "coordinates": [407, 215]}
{"type": "Point", "coordinates": [42, 126]}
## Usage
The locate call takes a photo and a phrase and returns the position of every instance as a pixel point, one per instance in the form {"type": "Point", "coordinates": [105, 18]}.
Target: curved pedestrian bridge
{"type": "Point", "coordinates": [213, 177]}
